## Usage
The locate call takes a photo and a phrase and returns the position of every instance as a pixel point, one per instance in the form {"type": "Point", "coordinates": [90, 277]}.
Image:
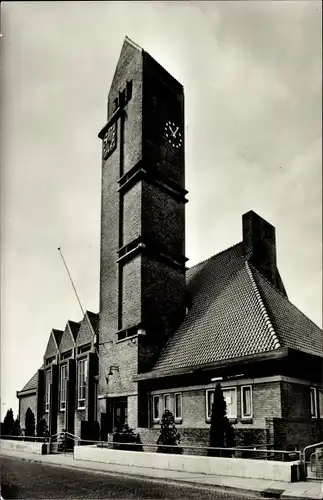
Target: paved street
{"type": "Point", "coordinates": [22, 479]}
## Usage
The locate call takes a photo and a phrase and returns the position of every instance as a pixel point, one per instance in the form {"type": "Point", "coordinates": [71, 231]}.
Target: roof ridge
{"type": "Point", "coordinates": [215, 255]}
{"type": "Point", "coordinates": [286, 298]}
{"type": "Point", "coordinates": [74, 322]}
{"type": "Point", "coordinates": [263, 308]}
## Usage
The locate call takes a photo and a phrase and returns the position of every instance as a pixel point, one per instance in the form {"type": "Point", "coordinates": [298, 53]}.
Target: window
{"type": "Point", "coordinates": [66, 355]}
{"type": "Point", "coordinates": [313, 398]}
{"type": "Point", "coordinates": [230, 397]}
{"type": "Point", "coordinates": [209, 403]}
{"type": "Point", "coordinates": [48, 381]}
{"type": "Point", "coordinates": [246, 401]}
{"type": "Point", "coordinates": [84, 348]}
{"type": "Point", "coordinates": [50, 360]}
{"type": "Point", "coordinates": [81, 382]}
{"type": "Point", "coordinates": [178, 406]}
{"type": "Point", "coordinates": [63, 386]}
{"type": "Point", "coordinates": [167, 405]}
{"type": "Point", "coordinates": [321, 403]}
{"type": "Point", "coordinates": [156, 412]}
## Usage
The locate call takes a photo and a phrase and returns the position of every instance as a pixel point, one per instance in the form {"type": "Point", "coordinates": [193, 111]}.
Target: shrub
{"type": "Point", "coordinates": [16, 429]}
{"type": "Point", "coordinates": [169, 435]}
{"type": "Point", "coordinates": [221, 431]}
{"type": "Point", "coordinates": [7, 426]}
{"type": "Point", "coordinates": [29, 423]}
{"type": "Point", "coordinates": [124, 434]}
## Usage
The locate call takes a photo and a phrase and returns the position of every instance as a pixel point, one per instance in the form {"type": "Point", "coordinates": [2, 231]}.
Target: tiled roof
{"type": "Point", "coordinates": [85, 334]}
{"type": "Point", "coordinates": [74, 328]}
{"type": "Point", "coordinates": [225, 320]}
{"type": "Point", "coordinates": [235, 312]}
{"type": "Point", "coordinates": [32, 383]}
{"type": "Point", "coordinates": [94, 319]}
{"type": "Point", "coordinates": [292, 327]}
{"type": "Point", "coordinates": [58, 334]}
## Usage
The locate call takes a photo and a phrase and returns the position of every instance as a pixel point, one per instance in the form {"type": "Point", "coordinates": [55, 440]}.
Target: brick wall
{"type": "Point", "coordinates": [79, 415]}
{"type": "Point", "coordinates": [295, 401]}
{"type": "Point", "coordinates": [131, 292]}
{"type": "Point", "coordinates": [293, 433]}
{"type": "Point", "coordinates": [267, 400]}
{"type": "Point", "coordinates": [163, 219]}
{"type": "Point", "coordinates": [132, 213]}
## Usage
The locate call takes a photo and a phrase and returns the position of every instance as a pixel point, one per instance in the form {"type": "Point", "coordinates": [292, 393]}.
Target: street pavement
{"type": "Point", "coordinates": [24, 479]}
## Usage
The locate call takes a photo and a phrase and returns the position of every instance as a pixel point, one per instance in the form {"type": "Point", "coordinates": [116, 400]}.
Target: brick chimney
{"type": "Point", "coordinates": [259, 244]}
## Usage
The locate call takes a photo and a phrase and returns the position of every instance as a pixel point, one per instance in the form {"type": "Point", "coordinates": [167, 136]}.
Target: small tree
{"type": "Point", "coordinates": [16, 429]}
{"type": "Point", "coordinates": [29, 423]}
{"type": "Point", "coordinates": [124, 434]}
{"type": "Point", "coordinates": [169, 435]}
{"type": "Point", "coordinates": [8, 423]}
{"type": "Point", "coordinates": [221, 432]}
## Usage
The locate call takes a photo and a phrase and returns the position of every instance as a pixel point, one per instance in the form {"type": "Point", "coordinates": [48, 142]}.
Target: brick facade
{"type": "Point", "coordinates": [144, 296]}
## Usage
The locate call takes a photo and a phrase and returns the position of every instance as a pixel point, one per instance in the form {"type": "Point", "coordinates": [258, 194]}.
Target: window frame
{"type": "Point", "coordinates": [234, 389]}
{"type": "Point", "coordinates": [208, 410]}
{"type": "Point", "coordinates": [178, 418]}
{"type": "Point", "coordinates": [81, 401]}
{"type": "Point", "coordinates": [48, 383]}
{"type": "Point", "coordinates": [156, 419]}
{"type": "Point", "coordinates": [167, 395]}
{"type": "Point", "coordinates": [63, 387]}
{"type": "Point", "coordinates": [244, 415]}
{"type": "Point", "coordinates": [313, 390]}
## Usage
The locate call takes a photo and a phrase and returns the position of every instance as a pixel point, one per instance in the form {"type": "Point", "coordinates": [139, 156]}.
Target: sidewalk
{"type": "Point", "coordinates": [253, 487]}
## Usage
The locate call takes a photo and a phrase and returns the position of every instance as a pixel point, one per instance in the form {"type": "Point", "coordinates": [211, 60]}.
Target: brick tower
{"type": "Point", "coordinates": [142, 276]}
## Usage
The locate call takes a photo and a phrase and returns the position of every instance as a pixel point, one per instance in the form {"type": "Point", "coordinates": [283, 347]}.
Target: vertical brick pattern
{"type": "Point", "coordinates": [296, 433]}
{"type": "Point", "coordinates": [132, 213]}
{"type": "Point", "coordinates": [131, 292]}
{"type": "Point", "coordinates": [267, 400]}
{"type": "Point", "coordinates": [129, 67]}
{"type": "Point", "coordinates": [295, 400]}
{"type": "Point", "coordinates": [132, 404]}
{"type": "Point", "coordinates": [163, 291]}
{"type": "Point", "coordinates": [163, 100]}
{"type": "Point", "coordinates": [163, 219]}
{"type": "Point", "coordinates": [152, 292]}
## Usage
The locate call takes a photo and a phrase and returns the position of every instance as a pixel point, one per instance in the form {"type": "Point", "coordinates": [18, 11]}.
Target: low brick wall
{"type": "Point", "coordinates": [236, 467]}
{"type": "Point", "coordinates": [26, 446]}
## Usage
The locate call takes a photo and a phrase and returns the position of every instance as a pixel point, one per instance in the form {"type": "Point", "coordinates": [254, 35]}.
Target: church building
{"type": "Point", "coordinates": [166, 333]}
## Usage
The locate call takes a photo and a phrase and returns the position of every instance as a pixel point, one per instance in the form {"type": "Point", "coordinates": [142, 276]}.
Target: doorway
{"type": "Point", "coordinates": [117, 412]}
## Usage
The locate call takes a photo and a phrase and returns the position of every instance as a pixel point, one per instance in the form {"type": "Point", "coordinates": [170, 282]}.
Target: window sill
{"type": "Point", "coordinates": [246, 420]}
{"type": "Point", "coordinates": [81, 408]}
{"type": "Point", "coordinates": [178, 420]}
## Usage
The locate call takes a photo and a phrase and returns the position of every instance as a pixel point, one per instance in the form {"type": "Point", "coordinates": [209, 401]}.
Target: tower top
{"type": "Point", "coordinates": [134, 44]}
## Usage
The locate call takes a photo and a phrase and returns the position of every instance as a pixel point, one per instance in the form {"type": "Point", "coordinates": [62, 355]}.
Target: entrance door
{"type": "Point", "coordinates": [120, 412]}
{"type": "Point", "coordinates": [116, 412]}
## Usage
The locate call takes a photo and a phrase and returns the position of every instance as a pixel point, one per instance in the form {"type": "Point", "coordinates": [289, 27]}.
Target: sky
{"type": "Point", "coordinates": [252, 78]}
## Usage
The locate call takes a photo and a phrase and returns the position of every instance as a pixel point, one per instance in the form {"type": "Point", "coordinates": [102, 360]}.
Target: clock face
{"type": "Point", "coordinates": [173, 134]}
{"type": "Point", "coordinates": [110, 141]}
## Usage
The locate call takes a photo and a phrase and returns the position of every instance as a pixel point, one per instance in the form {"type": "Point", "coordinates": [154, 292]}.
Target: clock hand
{"type": "Point", "coordinates": [174, 133]}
